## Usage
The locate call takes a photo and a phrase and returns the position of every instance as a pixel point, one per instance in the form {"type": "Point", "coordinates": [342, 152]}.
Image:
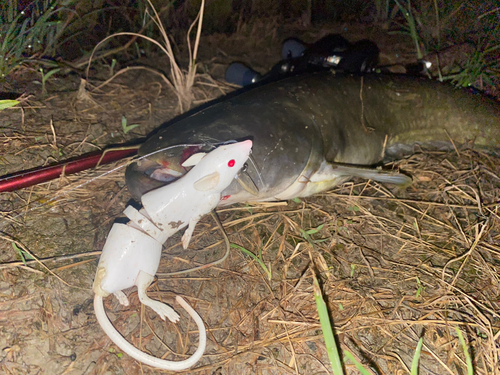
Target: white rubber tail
{"type": "Point", "coordinates": [147, 359]}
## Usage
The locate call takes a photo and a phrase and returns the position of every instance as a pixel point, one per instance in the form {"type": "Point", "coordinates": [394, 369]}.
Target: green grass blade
{"type": "Point", "coordinates": [19, 252]}
{"type": "Point", "coordinates": [358, 365]}
{"type": "Point", "coordinates": [254, 257]}
{"type": "Point", "coordinates": [326, 327]}
{"type": "Point", "coordinates": [22, 254]}
{"type": "Point", "coordinates": [468, 360]}
{"type": "Point", "coordinates": [9, 36]}
{"type": "Point", "coordinates": [126, 128]}
{"type": "Point", "coordinates": [47, 75]}
{"type": "Point", "coordinates": [410, 20]}
{"type": "Point", "coordinates": [315, 230]}
{"type": "Point", "coordinates": [416, 357]}
{"type": "Point", "coordinates": [7, 104]}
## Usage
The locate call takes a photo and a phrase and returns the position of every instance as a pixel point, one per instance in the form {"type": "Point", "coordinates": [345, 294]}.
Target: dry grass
{"type": "Point", "coordinates": [180, 81]}
{"type": "Point", "coordinates": [394, 265]}
{"type": "Point", "coordinates": [393, 269]}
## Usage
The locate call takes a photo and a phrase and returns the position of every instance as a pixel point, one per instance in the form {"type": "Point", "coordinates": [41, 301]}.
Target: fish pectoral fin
{"type": "Point", "coordinates": [193, 159]}
{"type": "Point", "coordinates": [379, 175]}
{"type": "Point", "coordinates": [207, 182]}
{"type": "Point", "coordinates": [247, 183]}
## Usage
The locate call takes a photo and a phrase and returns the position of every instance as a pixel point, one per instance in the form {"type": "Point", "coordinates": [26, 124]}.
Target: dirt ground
{"type": "Point", "coordinates": [394, 265]}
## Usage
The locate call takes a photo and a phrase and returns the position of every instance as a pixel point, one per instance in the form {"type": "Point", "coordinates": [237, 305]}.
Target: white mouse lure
{"type": "Point", "coordinates": [132, 252]}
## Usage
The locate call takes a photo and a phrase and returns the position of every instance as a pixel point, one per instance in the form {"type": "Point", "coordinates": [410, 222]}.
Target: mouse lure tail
{"type": "Point", "coordinates": [147, 359]}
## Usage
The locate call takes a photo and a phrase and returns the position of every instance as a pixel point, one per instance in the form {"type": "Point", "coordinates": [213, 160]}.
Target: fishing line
{"type": "Point", "coordinates": [256, 167]}
{"type": "Point", "coordinates": [211, 264]}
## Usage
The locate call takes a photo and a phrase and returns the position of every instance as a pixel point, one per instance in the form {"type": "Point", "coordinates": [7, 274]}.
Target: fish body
{"type": "Point", "coordinates": [311, 132]}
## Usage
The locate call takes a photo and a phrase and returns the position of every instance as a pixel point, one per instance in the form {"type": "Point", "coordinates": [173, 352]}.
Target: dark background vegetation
{"type": "Point", "coordinates": [69, 29]}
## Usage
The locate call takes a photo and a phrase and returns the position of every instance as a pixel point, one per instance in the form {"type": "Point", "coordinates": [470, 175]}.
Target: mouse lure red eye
{"type": "Point", "coordinates": [231, 163]}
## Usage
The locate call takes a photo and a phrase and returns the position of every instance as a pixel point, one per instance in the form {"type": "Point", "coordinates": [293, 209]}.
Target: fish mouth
{"type": "Point", "coordinates": [157, 169]}
{"type": "Point", "coordinates": [161, 168]}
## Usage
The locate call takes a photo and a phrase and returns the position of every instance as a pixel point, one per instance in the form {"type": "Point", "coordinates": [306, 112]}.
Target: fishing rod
{"type": "Point", "coordinates": [38, 175]}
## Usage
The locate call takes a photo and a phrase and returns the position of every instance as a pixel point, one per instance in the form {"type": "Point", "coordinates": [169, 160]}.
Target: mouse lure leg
{"type": "Point", "coordinates": [143, 281]}
{"type": "Point", "coordinates": [165, 311]}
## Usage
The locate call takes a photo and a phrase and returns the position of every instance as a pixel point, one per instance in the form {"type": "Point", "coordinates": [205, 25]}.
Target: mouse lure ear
{"type": "Point", "coordinates": [193, 159]}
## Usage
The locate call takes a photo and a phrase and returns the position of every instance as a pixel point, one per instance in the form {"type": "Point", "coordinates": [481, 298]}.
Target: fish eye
{"type": "Point", "coordinates": [231, 163]}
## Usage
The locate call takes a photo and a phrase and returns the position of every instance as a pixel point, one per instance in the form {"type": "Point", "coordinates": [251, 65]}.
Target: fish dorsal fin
{"type": "Point", "coordinates": [193, 159]}
{"type": "Point", "coordinates": [207, 182]}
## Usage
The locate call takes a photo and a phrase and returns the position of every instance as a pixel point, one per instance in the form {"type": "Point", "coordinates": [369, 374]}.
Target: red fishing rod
{"type": "Point", "coordinates": [19, 180]}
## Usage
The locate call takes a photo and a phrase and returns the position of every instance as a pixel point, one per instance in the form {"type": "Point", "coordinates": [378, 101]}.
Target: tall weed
{"type": "Point", "coordinates": [27, 33]}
